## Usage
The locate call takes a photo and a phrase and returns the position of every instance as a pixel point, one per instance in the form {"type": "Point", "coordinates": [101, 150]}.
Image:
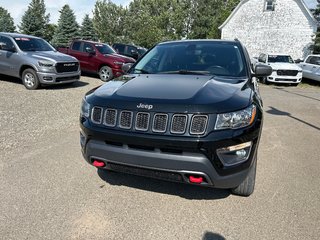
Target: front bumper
{"type": "Point", "coordinates": [275, 78]}
{"type": "Point", "coordinates": [156, 155]}
{"type": "Point", "coordinates": [58, 78]}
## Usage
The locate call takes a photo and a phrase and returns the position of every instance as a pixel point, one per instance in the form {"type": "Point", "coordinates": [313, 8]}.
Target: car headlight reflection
{"type": "Point", "coordinates": [238, 119]}
{"type": "Point", "coordinates": [85, 108]}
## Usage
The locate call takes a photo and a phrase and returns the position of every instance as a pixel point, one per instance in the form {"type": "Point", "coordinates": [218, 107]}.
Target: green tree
{"type": "Point", "coordinates": [50, 31]}
{"type": "Point", "coordinates": [107, 19]}
{"type": "Point", "coordinates": [87, 30]}
{"type": "Point", "coordinates": [35, 19]}
{"type": "Point", "coordinates": [6, 21]}
{"type": "Point", "coordinates": [67, 28]}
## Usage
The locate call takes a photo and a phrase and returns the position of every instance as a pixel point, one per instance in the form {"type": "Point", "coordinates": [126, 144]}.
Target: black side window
{"type": "Point", "coordinates": [262, 58]}
{"type": "Point", "coordinates": [87, 46]}
{"type": "Point", "coordinates": [269, 5]}
{"type": "Point", "coordinates": [131, 50]}
{"type": "Point", "coordinates": [119, 48]}
{"type": "Point", "coordinates": [76, 46]}
{"type": "Point", "coordinates": [314, 60]}
{"type": "Point", "coordinates": [6, 43]}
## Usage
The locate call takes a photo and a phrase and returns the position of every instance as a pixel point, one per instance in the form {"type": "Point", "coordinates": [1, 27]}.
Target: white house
{"type": "Point", "coordinates": [272, 26]}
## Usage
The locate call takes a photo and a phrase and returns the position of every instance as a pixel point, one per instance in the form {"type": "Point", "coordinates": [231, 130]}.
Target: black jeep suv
{"type": "Point", "coordinates": [188, 111]}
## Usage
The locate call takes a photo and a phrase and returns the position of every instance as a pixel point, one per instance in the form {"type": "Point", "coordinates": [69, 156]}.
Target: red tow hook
{"type": "Point", "coordinates": [193, 179]}
{"type": "Point", "coordinates": [97, 163]}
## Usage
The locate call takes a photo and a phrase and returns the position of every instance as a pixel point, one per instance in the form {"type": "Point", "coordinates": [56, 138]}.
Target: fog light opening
{"type": "Point", "coordinates": [234, 155]}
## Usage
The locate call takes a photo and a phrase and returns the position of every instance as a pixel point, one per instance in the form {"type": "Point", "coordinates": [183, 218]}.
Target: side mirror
{"type": "Point", "coordinates": [90, 50]}
{"type": "Point", "coordinates": [299, 60]}
{"type": "Point", "coordinates": [126, 67]}
{"type": "Point", "coordinates": [262, 70]}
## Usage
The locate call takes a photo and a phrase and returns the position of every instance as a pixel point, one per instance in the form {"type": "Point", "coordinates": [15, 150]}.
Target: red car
{"type": "Point", "coordinates": [97, 58]}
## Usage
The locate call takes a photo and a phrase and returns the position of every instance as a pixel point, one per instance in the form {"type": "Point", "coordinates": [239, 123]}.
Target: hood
{"type": "Point", "coordinates": [121, 58]}
{"type": "Point", "coordinates": [284, 66]}
{"type": "Point", "coordinates": [51, 56]}
{"type": "Point", "coordinates": [174, 93]}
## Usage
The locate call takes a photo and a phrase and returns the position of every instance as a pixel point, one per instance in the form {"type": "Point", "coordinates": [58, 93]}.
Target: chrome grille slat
{"type": "Point", "coordinates": [125, 119]}
{"type": "Point", "coordinates": [160, 121]}
{"type": "Point", "coordinates": [96, 115]}
{"type": "Point", "coordinates": [110, 117]}
{"type": "Point", "coordinates": [142, 121]}
{"type": "Point", "coordinates": [198, 124]}
{"type": "Point", "coordinates": [178, 124]}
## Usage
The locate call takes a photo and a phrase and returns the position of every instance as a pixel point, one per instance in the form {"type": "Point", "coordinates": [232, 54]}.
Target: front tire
{"type": "Point", "coordinates": [30, 79]}
{"type": "Point", "coordinates": [246, 188]}
{"type": "Point", "coordinates": [105, 73]}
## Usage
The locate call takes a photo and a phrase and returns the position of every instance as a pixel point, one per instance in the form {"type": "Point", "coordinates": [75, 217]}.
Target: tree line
{"type": "Point", "coordinates": [143, 22]}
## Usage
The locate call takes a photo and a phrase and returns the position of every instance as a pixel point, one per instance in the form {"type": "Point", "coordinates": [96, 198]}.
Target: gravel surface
{"type": "Point", "coordinates": [48, 191]}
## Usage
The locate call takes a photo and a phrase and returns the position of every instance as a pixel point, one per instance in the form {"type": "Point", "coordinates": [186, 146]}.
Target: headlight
{"type": "Point", "coordinates": [237, 119]}
{"type": "Point", "coordinates": [46, 64]}
{"type": "Point", "coordinates": [85, 108]}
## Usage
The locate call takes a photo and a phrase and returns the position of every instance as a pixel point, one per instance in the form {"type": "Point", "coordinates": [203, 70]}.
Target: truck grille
{"type": "Point", "coordinates": [152, 122]}
{"type": "Point", "coordinates": [287, 72]}
{"type": "Point", "coordinates": [67, 67]}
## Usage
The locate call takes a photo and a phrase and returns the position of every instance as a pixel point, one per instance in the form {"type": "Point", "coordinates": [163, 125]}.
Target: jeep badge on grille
{"type": "Point", "coordinates": [145, 106]}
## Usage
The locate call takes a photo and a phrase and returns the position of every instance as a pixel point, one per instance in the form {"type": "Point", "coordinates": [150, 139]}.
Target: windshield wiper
{"type": "Point", "coordinates": [187, 72]}
{"type": "Point", "coordinates": [141, 71]}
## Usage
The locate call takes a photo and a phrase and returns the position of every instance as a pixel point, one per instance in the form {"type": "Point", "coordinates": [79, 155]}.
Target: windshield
{"type": "Point", "coordinates": [193, 57]}
{"type": "Point", "coordinates": [104, 49]}
{"type": "Point", "coordinates": [33, 44]}
{"type": "Point", "coordinates": [280, 58]}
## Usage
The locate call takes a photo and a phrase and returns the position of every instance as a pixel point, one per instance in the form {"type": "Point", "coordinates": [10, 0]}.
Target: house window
{"type": "Point", "coordinates": [269, 5]}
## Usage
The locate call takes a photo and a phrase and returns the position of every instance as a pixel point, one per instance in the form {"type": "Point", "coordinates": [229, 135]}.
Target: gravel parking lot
{"type": "Point", "coordinates": [48, 191]}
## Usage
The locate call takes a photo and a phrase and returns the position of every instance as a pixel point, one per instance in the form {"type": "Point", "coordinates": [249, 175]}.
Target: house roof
{"type": "Point", "coordinates": [301, 3]}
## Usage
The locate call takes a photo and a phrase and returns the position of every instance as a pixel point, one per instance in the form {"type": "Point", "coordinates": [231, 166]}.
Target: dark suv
{"type": "Point", "coordinates": [129, 50]}
{"type": "Point", "coordinates": [188, 111]}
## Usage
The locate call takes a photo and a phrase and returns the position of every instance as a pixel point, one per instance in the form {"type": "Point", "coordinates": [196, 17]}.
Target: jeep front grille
{"type": "Point", "coordinates": [198, 124]}
{"type": "Point", "coordinates": [96, 115]}
{"type": "Point", "coordinates": [110, 117]}
{"type": "Point", "coordinates": [179, 124]}
{"type": "Point", "coordinates": [151, 122]}
{"type": "Point", "coordinates": [142, 121]}
{"type": "Point", "coordinates": [125, 119]}
{"type": "Point", "coordinates": [160, 121]}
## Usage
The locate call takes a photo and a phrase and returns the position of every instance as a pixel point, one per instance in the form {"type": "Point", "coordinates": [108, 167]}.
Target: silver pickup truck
{"type": "Point", "coordinates": [35, 61]}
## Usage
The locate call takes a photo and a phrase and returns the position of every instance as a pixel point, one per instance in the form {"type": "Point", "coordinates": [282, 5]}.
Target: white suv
{"type": "Point", "coordinates": [284, 69]}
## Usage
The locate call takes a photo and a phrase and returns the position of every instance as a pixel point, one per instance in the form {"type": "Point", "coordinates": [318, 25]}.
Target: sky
{"type": "Point", "coordinates": [80, 7]}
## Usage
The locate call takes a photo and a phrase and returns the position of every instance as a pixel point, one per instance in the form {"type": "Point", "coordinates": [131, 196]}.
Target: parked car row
{"type": "Point", "coordinates": [99, 58]}
{"type": "Point", "coordinates": [286, 70]}
{"type": "Point", "coordinates": [35, 61]}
